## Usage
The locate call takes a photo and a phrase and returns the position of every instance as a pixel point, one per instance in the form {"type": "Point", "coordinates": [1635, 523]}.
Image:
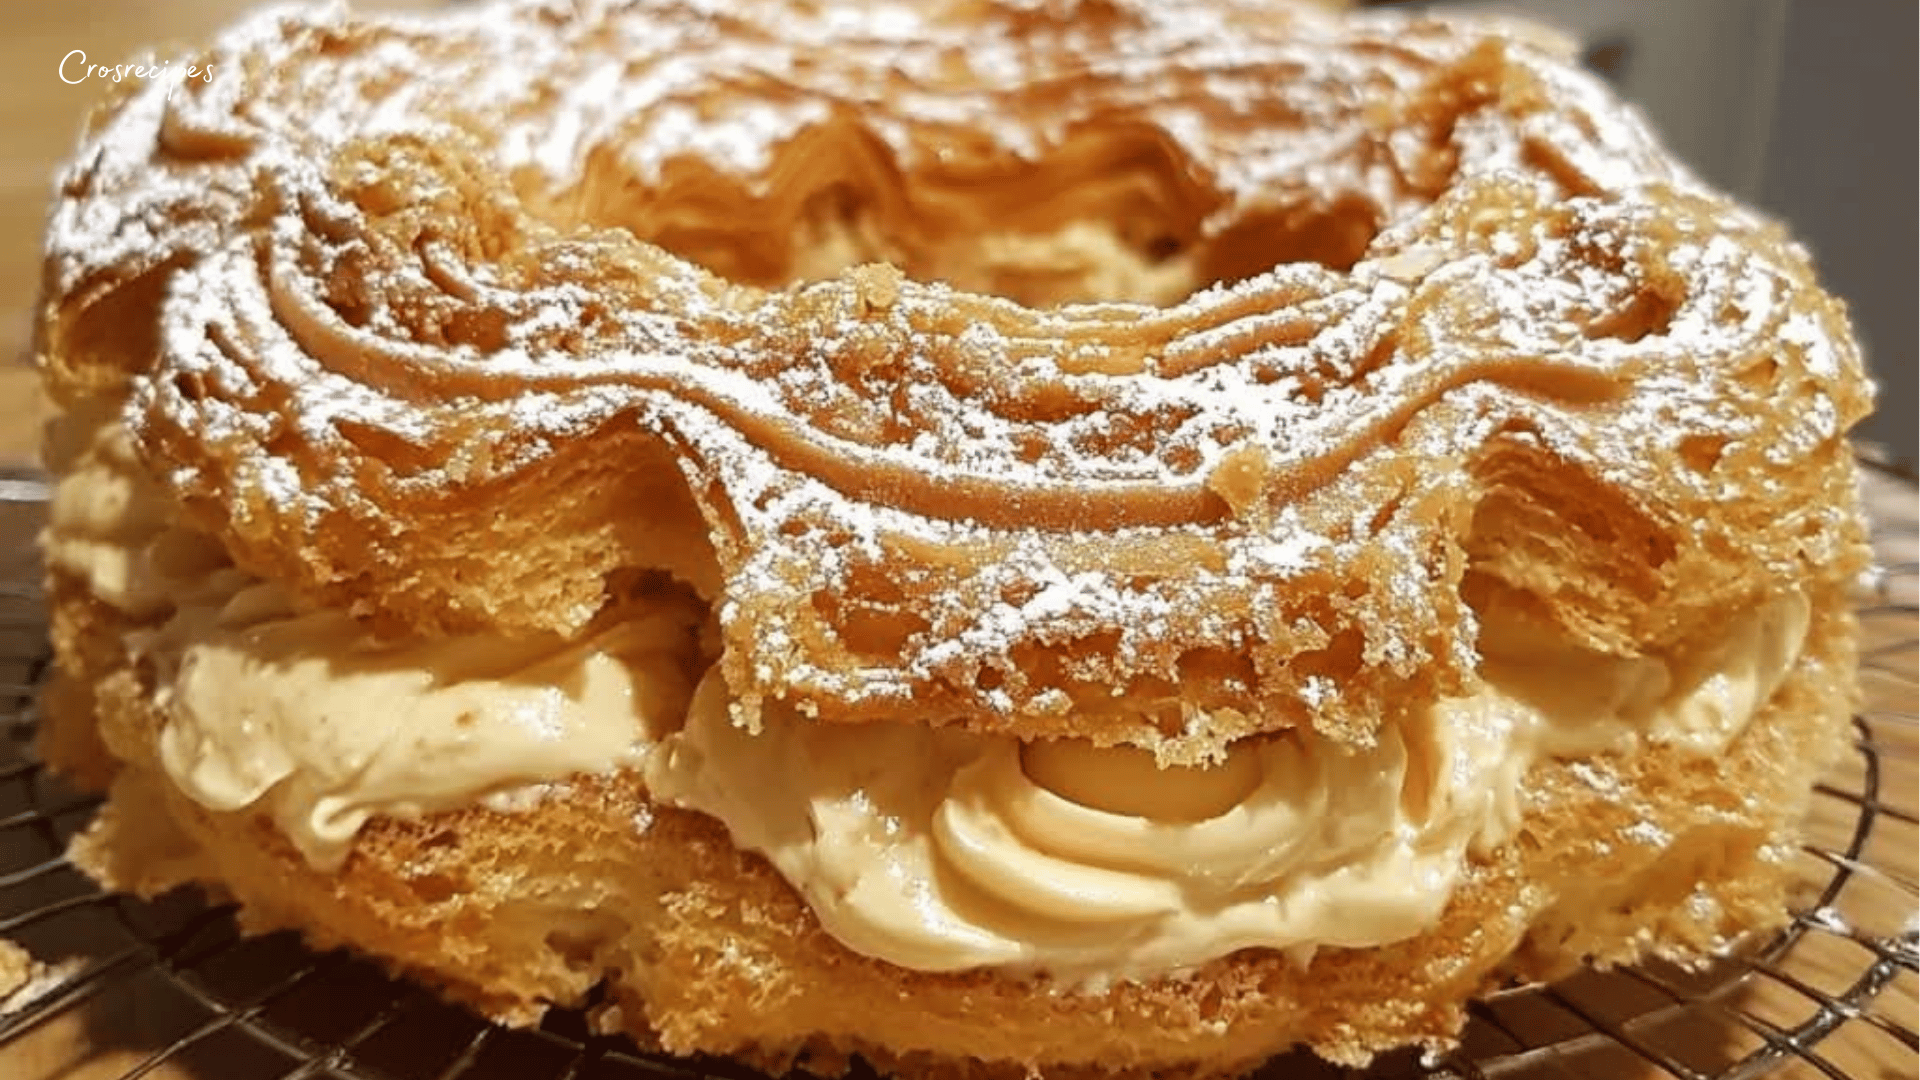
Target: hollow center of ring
{"type": "Point", "coordinates": [1120, 215]}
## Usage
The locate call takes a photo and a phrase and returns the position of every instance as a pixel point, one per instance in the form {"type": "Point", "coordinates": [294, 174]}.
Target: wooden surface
{"type": "Point", "coordinates": [41, 116]}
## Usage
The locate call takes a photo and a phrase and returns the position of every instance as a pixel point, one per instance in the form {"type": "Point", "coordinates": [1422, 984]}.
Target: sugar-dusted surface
{"type": "Point", "coordinates": [391, 282]}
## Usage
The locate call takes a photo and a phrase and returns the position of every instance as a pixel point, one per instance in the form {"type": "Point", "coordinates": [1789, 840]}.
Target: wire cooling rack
{"type": "Point", "coordinates": [122, 988]}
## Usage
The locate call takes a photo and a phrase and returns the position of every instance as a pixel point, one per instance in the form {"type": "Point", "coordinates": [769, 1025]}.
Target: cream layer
{"type": "Point", "coordinates": [306, 715]}
{"type": "Point", "coordinates": [943, 850]}
{"type": "Point", "coordinates": [934, 849]}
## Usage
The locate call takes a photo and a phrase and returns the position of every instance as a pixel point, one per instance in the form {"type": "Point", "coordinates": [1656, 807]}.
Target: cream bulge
{"type": "Point", "coordinates": [942, 850]}
{"type": "Point", "coordinates": [308, 717]}
{"type": "Point", "coordinates": [934, 849]}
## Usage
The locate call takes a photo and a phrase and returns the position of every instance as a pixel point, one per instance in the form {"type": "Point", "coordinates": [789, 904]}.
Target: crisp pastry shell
{"type": "Point", "coordinates": [397, 373]}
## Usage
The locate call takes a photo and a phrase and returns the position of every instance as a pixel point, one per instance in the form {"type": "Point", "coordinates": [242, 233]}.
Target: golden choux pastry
{"type": "Point", "coordinates": [1090, 539]}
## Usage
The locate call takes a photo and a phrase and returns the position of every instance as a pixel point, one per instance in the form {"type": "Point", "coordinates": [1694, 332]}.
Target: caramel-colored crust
{"type": "Point", "coordinates": [406, 313]}
{"type": "Point", "coordinates": [401, 310]}
{"type": "Point", "coordinates": [708, 950]}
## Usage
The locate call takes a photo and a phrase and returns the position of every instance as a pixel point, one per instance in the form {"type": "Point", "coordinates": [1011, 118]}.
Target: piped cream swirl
{"type": "Point", "coordinates": [944, 850]}
{"type": "Point", "coordinates": [307, 716]}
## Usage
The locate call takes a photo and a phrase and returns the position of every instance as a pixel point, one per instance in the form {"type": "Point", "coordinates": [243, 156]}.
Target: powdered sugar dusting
{"type": "Point", "coordinates": [391, 273]}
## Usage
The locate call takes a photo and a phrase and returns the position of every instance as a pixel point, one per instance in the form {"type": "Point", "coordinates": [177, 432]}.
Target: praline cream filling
{"type": "Point", "coordinates": [309, 718]}
{"type": "Point", "coordinates": [932, 848]}
{"type": "Point", "coordinates": [306, 716]}
{"type": "Point", "coordinates": [941, 850]}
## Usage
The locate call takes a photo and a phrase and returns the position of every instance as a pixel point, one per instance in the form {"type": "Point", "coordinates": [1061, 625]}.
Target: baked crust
{"type": "Point", "coordinates": [1354, 327]}
{"type": "Point", "coordinates": [400, 329]}
{"type": "Point", "coordinates": [1659, 851]}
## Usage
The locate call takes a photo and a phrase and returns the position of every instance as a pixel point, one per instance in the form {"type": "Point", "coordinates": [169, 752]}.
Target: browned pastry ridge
{"type": "Point", "coordinates": [1177, 377]}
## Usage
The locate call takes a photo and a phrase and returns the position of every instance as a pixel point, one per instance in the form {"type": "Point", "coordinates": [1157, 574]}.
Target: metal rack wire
{"type": "Point", "coordinates": [172, 987]}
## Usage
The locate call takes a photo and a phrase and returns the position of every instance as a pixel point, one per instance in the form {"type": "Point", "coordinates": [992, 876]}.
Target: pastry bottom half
{"type": "Point", "coordinates": [705, 948]}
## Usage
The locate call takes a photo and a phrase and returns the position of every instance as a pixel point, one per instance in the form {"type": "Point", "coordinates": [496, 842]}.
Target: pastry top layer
{"type": "Point", "coordinates": [396, 304]}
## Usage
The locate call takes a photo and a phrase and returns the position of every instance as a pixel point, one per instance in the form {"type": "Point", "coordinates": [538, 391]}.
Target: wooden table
{"type": "Point", "coordinates": [41, 116]}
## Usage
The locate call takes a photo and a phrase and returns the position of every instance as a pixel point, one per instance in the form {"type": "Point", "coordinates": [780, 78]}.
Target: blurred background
{"type": "Point", "coordinates": [1800, 106]}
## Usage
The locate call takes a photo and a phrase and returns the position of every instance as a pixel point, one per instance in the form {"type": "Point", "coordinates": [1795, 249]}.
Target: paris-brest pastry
{"type": "Point", "coordinates": [1096, 538]}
